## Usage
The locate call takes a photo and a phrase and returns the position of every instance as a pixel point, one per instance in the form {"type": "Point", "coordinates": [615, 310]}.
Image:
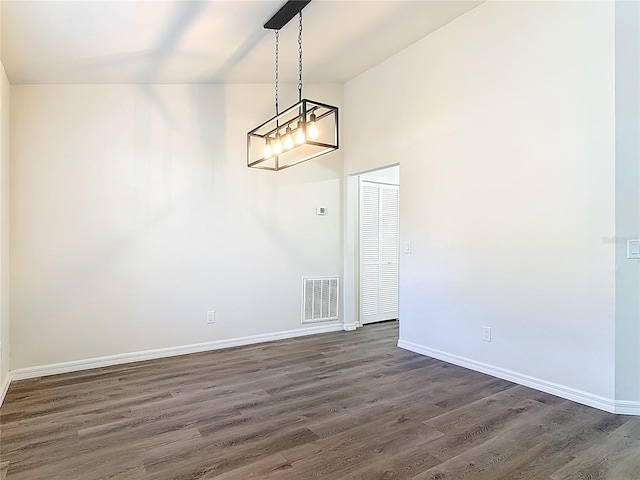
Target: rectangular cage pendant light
{"type": "Point", "coordinates": [303, 131]}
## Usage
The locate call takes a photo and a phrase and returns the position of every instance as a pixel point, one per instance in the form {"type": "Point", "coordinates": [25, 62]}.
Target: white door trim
{"type": "Point", "coordinates": [351, 254]}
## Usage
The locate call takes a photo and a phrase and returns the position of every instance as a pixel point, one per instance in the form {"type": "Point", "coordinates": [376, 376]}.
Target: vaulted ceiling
{"type": "Point", "coordinates": [189, 41]}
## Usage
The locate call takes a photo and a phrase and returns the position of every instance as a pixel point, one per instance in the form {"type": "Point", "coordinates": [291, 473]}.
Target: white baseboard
{"type": "Point", "coordinates": [77, 365]}
{"type": "Point", "coordinates": [4, 388]}
{"type": "Point", "coordinates": [579, 396]}
{"type": "Point", "coordinates": [626, 407]}
{"type": "Point", "coordinates": [349, 327]}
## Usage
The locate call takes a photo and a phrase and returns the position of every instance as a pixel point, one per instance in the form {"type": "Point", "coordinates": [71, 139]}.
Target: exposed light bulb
{"type": "Point", "coordinates": [277, 146]}
{"type": "Point", "coordinates": [268, 151]}
{"type": "Point", "coordinates": [288, 139]}
{"type": "Point", "coordinates": [300, 136]}
{"type": "Point", "coordinates": [312, 129]}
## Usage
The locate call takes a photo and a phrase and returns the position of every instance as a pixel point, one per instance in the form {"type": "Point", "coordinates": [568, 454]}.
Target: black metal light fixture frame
{"type": "Point", "coordinates": [305, 130]}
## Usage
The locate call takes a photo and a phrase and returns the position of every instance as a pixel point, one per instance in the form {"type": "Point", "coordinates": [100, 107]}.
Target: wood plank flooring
{"type": "Point", "coordinates": [333, 406]}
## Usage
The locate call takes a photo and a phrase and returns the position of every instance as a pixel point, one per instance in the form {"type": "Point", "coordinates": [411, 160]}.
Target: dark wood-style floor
{"type": "Point", "coordinates": [334, 406]}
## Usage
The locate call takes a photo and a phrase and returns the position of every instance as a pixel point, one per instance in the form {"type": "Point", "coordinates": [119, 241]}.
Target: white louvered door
{"type": "Point", "coordinates": [379, 248]}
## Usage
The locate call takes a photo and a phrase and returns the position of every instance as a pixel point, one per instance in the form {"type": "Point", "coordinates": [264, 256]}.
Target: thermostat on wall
{"type": "Point", "coordinates": [321, 211]}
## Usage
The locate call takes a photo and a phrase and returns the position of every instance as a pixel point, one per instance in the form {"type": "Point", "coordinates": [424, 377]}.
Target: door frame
{"type": "Point", "coordinates": [351, 253]}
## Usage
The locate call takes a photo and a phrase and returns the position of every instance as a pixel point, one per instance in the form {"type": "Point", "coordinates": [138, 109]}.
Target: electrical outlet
{"type": "Point", "coordinates": [211, 316]}
{"type": "Point", "coordinates": [486, 334]}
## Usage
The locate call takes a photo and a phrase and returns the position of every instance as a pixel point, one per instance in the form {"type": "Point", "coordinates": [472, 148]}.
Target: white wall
{"type": "Point", "coordinates": [5, 100]}
{"type": "Point", "coordinates": [389, 175]}
{"type": "Point", "coordinates": [503, 124]}
{"type": "Point", "coordinates": [4, 229]}
{"type": "Point", "coordinates": [133, 213]}
{"type": "Point", "coordinates": [627, 199]}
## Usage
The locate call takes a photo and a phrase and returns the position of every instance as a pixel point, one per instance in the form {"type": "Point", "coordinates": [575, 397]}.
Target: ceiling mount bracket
{"type": "Point", "coordinates": [285, 14]}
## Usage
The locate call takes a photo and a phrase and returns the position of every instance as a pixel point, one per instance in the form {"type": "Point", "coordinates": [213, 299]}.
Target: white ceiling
{"type": "Point", "coordinates": [189, 41]}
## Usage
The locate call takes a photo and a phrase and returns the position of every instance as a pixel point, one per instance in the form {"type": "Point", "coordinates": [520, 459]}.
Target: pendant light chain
{"type": "Point", "coordinates": [300, 59]}
{"type": "Point", "coordinates": [276, 82]}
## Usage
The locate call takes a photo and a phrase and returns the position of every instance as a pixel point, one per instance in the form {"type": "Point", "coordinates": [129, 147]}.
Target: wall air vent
{"type": "Point", "coordinates": [319, 299]}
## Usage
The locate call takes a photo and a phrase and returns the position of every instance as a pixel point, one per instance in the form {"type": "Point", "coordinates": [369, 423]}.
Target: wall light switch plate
{"type": "Point", "coordinates": [633, 249]}
{"type": "Point", "coordinates": [321, 211]}
{"type": "Point", "coordinates": [211, 316]}
{"type": "Point", "coordinates": [407, 247]}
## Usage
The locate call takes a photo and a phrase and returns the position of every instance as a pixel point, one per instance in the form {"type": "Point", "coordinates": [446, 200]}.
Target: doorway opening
{"type": "Point", "coordinates": [372, 247]}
